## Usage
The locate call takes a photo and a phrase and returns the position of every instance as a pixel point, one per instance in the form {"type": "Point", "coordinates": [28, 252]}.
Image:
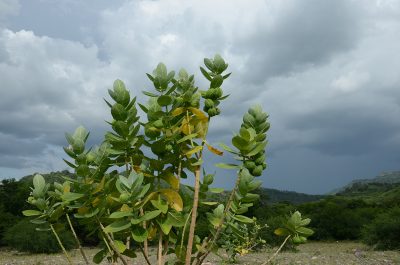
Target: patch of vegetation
{"type": "Point", "coordinates": [25, 237]}
{"type": "Point", "coordinates": [383, 232]}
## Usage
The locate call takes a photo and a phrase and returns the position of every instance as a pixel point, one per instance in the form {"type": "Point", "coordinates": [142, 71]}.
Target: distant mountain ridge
{"type": "Point", "coordinates": [275, 196]}
{"type": "Point", "coordinates": [268, 195]}
{"type": "Point", "coordinates": [382, 182]}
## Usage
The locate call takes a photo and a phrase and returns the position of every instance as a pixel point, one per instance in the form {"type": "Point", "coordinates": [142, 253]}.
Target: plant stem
{"type": "Point", "coordinates": [201, 256]}
{"type": "Point", "coordinates": [195, 201]}
{"type": "Point", "coordinates": [145, 243]}
{"type": "Point", "coordinates": [276, 253]}
{"type": "Point", "coordinates": [77, 240]}
{"type": "Point", "coordinates": [160, 249]}
{"type": "Point", "coordinates": [144, 255]}
{"type": "Point", "coordinates": [61, 244]}
{"type": "Point", "coordinates": [194, 216]}
{"type": "Point", "coordinates": [184, 229]}
{"type": "Point", "coordinates": [110, 241]}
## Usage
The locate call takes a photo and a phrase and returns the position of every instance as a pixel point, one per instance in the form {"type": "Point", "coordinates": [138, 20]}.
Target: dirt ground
{"type": "Point", "coordinates": [313, 253]}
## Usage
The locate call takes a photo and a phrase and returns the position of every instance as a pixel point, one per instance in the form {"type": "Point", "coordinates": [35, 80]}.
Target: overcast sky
{"type": "Point", "coordinates": [327, 72]}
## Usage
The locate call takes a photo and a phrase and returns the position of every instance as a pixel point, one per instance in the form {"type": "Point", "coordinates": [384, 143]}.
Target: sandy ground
{"type": "Point", "coordinates": [314, 253]}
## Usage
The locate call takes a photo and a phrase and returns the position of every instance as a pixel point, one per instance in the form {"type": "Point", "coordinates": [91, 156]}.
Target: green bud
{"type": "Point", "coordinates": [209, 103]}
{"type": "Point", "coordinates": [168, 148]}
{"type": "Point", "coordinates": [260, 160]}
{"type": "Point", "coordinates": [257, 171]}
{"type": "Point", "coordinates": [31, 200]}
{"type": "Point", "coordinates": [158, 124]}
{"type": "Point", "coordinates": [264, 165]}
{"type": "Point", "coordinates": [179, 101]}
{"type": "Point", "coordinates": [216, 93]}
{"type": "Point", "coordinates": [250, 165]}
{"type": "Point", "coordinates": [124, 197]}
{"type": "Point", "coordinates": [212, 112]}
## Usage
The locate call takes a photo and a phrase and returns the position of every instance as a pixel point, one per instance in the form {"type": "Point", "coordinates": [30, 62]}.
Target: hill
{"type": "Point", "coordinates": [373, 187]}
{"type": "Point", "coordinates": [275, 196]}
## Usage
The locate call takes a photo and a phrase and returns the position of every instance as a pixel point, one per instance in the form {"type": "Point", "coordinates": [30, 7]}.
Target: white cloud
{"type": "Point", "coordinates": [326, 71]}
{"type": "Point", "coordinates": [8, 7]}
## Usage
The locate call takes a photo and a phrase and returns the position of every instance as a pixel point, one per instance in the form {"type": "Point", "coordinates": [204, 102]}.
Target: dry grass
{"type": "Point", "coordinates": [314, 253]}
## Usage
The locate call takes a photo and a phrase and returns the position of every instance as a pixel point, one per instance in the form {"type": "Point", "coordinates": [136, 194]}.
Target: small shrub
{"type": "Point", "coordinates": [384, 232]}
{"type": "Point", "coordinates": [24, 237]}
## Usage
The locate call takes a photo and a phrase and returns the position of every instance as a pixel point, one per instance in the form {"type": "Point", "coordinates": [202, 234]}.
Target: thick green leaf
{"type": "Point", "coordinates": [38, 182]}
{"type": "Point", "coordinates": [88, 214]}
{"type": "Point", "coordinates": [160, 205]}
{"type": "Point", "coordinates": [164, 100]}
{"type": "Point", "coordinates": [216, 190]}
{"type": "Point", "coordinates": [305, 231]}
{"type": "Point", "coordinates": [149, 94]}
{"type": "Point", "coordinates": [243, 219]}
{"type": "Point", "coordinates": [80, 133]}
{"type": "Point", "coordinates": [98, 258]}
{"type": "Point", "coordinates": [165, 227]}
{"type": "Point", "coordinates": [117, 215]}
{"type": "Point", "coordinates": [209, 203]}
{"type": "Point", "coordinates": [31, 213]}
{"type": "Point", "coordinates": [305, 222]}
{"type": "Point", "coordinates": [176, 219]}
{"type": "Point", "coordinates": [118, 112]}
{"type": "Point", "coordinates": [240, 143]}
{"type": "Point", "coordinates": [121, 247]}
{"type": "Point", "coordinates": [117, 226]}
{"type": "Point", "coordinates": [187, 137]}
{"type": "Point", "coordinates": [71, 196]}
{"type": "Point", "coordinates": [139, 234]}
{"type": "Point", "coordinates": [130, 253]}
{"type": "Point", "coordinates": [227, 166]}
{"type": "Point", "coordinates": [258, 148]}
{"type": "Point", "coordinates": [150, 215]}
{"type": "Point", "coordinates": [205, 73]}
{"type": "Point", "coordinates": [209, 64]}
{"type": "Point", "coordinates": [227, 148]}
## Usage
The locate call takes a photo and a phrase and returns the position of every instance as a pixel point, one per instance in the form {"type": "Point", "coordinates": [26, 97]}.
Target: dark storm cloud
{"type": "Point", "coordinates": [323, 70]}
{"type": "Point", "coordinates": [305, 34]}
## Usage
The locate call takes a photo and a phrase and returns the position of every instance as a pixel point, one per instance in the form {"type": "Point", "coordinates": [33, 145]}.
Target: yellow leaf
{"type": "Point", "coordinates": [83, 210]}
{"type": "Point", "coordinates": [194, 150]}
{"type": "Point", "coordinates": [186, 127]}
{"type": "Point", "coordinates": [173, 198]}
{"type": "Point", "coordinates": [199, 113]}
{"type": "Point", "coordinates": [67, 187]}
{"type": "Point", "coordinates": [214, 150]}
{"type": "Point", "coordinates": [125, 208]}
{"type": "Point", "coordinates": [152, 233]}
{"type": "Point", "coordinates": [137, 169]}
{"type": "Point", "coordinates": [100, 186]}
{"type": "Point", "coordinates": [173, 181]}
{"type": "Point", "coordinates": [146, 200]}
{"type": "Point", "coordinates": [96, 201]}
{"type": "Point", "coordinates": [201, 128]}
{"type": "Point", "coordinates": [177, 111]}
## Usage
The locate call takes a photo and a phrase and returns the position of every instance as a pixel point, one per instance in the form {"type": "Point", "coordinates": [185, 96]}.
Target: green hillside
{"type": "Point", "coordinates": [381, 183]}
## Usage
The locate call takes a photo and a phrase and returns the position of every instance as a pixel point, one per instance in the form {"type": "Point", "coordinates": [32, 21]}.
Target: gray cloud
{"type": "Point", "coordinates": [323, 70]}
